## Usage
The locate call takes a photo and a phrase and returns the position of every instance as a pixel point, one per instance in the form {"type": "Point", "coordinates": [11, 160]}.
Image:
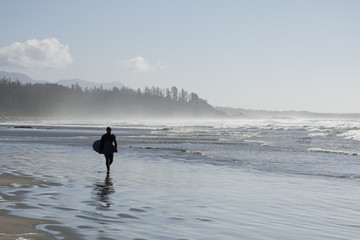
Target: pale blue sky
{"type": "Point", "coordinates": [276, 55]}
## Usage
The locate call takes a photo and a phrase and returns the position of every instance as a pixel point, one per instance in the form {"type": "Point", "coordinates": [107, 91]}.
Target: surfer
{"type": "Point", "coordinates": [108, 138]}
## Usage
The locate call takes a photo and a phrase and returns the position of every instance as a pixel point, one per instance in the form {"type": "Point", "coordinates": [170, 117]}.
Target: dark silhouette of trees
{"type": "Point", "coordinates": [18, 99]}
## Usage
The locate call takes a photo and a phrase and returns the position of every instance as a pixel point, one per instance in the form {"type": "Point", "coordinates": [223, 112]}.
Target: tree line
{"type": "Point", "coordinates": [53, 100]}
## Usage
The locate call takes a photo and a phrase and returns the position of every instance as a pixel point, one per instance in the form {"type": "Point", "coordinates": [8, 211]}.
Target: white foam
{"type": "Point", "coordinates": [336, 151]}
{"type": "Point", "coordinates": [318, 134]}
{"type": "Point", "coordinates": [352, 134]}
{"type": "Point", "coordinates": [262, 143]}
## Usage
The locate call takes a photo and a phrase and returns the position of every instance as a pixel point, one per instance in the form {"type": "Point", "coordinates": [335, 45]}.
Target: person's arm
{"type": "Point", "coordinates": [115, 142]}
{"type": "Point", "coordinates": [102, 142]}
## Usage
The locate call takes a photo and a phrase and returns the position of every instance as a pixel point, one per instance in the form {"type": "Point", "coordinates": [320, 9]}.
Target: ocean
{"type": "Point", "coordinates": [185, 179]}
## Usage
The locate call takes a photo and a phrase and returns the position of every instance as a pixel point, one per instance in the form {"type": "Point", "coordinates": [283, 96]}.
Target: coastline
{"type": "Point", "coordinates": [198, 180]}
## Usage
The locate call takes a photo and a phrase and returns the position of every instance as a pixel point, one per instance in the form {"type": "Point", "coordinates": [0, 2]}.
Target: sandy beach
{"type": "Point", "coordinates": [209, 180]}
{"type": "Point", "coordinates": [22, 228]}
{"type": "Point", "coordinates": [13, 227]}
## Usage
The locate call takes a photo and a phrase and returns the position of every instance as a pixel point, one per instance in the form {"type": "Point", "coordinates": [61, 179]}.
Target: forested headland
{"type": "Point", "coordinates": [53, 100]}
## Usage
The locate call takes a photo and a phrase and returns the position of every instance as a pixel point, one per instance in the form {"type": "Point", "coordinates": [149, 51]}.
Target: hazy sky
{"type": "Point", "coordinates": [257, 54]}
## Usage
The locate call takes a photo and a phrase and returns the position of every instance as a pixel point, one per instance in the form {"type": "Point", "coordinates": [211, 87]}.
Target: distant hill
{"type": "Point", "coordinates": [248, 113]}
{"type": "Point", "coordinates": [19, 76]}
{"type": "Point", "coordinates": [54, 100]}
{"type": "Point", "coordinates": [67, 83]}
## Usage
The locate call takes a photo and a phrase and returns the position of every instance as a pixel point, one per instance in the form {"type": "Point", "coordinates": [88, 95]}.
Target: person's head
{"type": "Point", "coordinates": [108, 130]}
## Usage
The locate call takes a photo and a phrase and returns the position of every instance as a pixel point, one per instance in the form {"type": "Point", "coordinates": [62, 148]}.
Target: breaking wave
{"type": "Point", "coordinates": [335, 151]}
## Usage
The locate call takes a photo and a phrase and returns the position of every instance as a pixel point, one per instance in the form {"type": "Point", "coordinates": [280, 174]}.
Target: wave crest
{"type": "Point", "coordinates": [335, 151]}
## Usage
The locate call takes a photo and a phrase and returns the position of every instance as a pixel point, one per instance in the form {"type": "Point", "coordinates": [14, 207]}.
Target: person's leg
{"type": "Point", "coordinates": [111, 157]}
{"type": "Point", "coordinates": [107, 162]}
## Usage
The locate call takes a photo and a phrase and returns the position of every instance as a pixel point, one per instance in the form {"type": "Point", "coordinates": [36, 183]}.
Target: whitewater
{"type": "Point", "coordinates": [185, 179]}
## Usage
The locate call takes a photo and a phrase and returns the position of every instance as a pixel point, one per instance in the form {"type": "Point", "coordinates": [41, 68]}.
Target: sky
{"type": "Point", "coordinates": [301, 55]}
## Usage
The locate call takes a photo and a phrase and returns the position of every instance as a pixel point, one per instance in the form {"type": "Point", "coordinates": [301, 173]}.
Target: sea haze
{"type": "Point", "coordinates": [236, 113]}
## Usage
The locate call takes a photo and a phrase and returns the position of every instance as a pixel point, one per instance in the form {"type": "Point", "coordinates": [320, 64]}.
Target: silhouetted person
{"type": "Point", "coordinates": [108, 138]}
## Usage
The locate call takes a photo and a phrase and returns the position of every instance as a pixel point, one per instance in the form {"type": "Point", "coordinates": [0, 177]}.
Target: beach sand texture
{"type": "Point", "coordinates": [22, 228]}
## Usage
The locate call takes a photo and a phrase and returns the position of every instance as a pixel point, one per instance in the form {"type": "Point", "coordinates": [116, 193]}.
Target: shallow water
{"type": "Point", "coordinates": [261, 179]}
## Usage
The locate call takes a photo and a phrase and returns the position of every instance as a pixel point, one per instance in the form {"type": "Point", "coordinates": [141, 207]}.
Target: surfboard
{"type": "Point", "coordinates": [108, 147]}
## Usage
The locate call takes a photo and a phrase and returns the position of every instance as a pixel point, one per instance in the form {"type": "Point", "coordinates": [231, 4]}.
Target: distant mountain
{"type": "Point", "coordinates": [19, 76]}
{"type": "Point", "coordinates": [67, 83]}
{"type": "Point", "coordinates": [87, 84]}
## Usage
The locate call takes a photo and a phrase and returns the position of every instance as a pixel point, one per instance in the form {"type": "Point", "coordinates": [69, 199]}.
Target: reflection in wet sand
{"type": "Point", "coordinates": [103, 190]}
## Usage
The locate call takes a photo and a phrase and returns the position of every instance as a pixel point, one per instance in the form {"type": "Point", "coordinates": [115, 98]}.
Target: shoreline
{"type": "Point", "coordinates": [54, 186]}
{"type": "Point", "coordinates": [23, 228]}
{"type": "Point", "coordinates": [15, 227]}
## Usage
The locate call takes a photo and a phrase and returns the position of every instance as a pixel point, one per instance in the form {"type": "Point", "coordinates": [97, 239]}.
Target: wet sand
{"type": "Point", "coordinates": [9, 180]}
{"type": "Point", "coordinates": [21, 228]}
{"type": "Point", "coordinates": [14, 227]}
{"type": "Point", "coordinates": [163, 185]}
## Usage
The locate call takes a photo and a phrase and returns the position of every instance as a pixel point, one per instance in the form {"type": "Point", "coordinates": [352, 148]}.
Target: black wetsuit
{"type": "Point", "coordinates": [107, 138]}
{"type": "Point", "coordinates": [110, 138]}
